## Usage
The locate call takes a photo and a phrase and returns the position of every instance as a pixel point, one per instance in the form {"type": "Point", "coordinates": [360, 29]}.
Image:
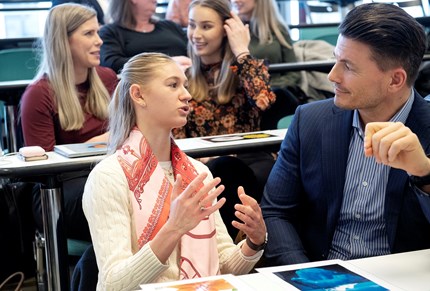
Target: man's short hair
{"type": "Point", "coordinates": [394, 37]}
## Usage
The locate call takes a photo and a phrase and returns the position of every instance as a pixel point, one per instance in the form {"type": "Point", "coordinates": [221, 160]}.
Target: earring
{"type": "Point", "coordinates": [141, 100]}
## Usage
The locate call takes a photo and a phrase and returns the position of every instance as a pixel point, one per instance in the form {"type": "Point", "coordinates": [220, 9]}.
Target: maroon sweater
{"type": "Point", "coordinates": [39, 114]}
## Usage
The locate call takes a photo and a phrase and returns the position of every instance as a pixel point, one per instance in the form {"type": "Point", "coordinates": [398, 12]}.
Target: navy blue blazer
{"type": "Point", "coordinates": [303, 194]}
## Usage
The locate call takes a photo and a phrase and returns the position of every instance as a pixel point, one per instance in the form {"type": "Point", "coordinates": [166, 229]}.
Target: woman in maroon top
{"type": "Point", "coordinates": [68, 101]}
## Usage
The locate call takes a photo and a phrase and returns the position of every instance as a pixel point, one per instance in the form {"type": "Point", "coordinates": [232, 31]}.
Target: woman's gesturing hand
{"type": "Point", "coordinates": [192, 204]}
{"type": "Point", "coordinates": [249, 212]}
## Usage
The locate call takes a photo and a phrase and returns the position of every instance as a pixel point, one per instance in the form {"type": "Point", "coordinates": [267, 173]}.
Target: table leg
{"type": "Point", "coordinates": [10, 114]}
{"type": "Point", "coordinates": [55, 238]}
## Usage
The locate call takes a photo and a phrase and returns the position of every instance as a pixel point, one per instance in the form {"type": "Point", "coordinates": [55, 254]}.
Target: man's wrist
{"type": "Point", "coordinates": [254, 246]}
{"type": "Point", "coordinates": [425, 189]}
{"type": "Point", "coordinates": [420, 181]}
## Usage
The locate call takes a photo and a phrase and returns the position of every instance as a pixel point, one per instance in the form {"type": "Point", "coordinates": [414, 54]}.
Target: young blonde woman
{"type": "Point", "coordinates": [68, 100]}
{"type": "Point", "coordinates": [230, 90]}
{"type": "Point", "coordinates": [152, 210]}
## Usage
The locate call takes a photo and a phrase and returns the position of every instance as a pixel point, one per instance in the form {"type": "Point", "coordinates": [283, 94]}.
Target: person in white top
{"type": "Point", "coordinates": [152, 210]}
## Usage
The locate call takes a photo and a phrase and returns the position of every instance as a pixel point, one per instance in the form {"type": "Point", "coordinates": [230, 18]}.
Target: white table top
{"type": "Point", "coordinates": [406, 271]}
{"type": "Point", "coordinates": [231, 143]}
{"type": "Point", "coordinates": [12, 166]}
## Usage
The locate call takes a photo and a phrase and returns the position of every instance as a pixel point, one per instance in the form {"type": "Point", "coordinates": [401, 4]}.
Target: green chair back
{"type": "Point", "coordinates": [327, 33]}
{"type": "Point", "coordinates": [285, 122]}
{"type": "Point", "coordinates": [76, 247]}
{"type": "Point", "coordinates": [15, 64]}
{"type": "Point", "coordinates": [18, 64]}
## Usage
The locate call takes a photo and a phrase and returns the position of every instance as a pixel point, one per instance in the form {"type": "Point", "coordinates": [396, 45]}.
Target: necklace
{"type": "Point", "coordinates": [147, 28]}
{"type": "Point", "coordinates": [167, 168]}
{"type": "Point", "coordinates": [169, 172]}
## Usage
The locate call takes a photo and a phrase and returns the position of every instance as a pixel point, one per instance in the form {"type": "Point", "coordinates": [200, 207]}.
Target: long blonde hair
{"type": "Point", "coordinates": [226, 82]}
{"type": "Point", "coordinates": [140, 69]}
{"type": "Point", "coordinates": [266, 20]}
{"type": "Point", "coordinates": [57, 65]}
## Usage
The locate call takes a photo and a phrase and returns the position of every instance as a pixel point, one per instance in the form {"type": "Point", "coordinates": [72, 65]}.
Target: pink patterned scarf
{"type": "Point", "coordinates": [150, 192]}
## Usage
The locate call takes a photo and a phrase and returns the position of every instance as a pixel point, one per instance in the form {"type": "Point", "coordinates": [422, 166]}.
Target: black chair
{"type": "Point", "coordinates": [86, 272]}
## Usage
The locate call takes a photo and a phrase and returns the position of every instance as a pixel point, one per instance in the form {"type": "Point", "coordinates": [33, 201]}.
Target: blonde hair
{"type": "Point", "coordinates": [266, 20]}
{"type": "Point", "coordinates": [226, 82]}
{"type": "Point", "coordinates": [140, 69]}
{"type": "Point", "coordinates": [57, 65]}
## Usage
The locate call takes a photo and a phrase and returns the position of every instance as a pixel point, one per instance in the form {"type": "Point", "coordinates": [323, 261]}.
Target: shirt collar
{"type": "Point", "coordinates": [400, 116]}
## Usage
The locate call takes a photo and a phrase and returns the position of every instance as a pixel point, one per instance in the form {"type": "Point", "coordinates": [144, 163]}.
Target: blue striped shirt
{"type": "Point", "coordinates": [360, 231]}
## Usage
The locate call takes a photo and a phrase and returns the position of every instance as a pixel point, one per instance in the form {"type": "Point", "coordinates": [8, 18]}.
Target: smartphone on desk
{"type": "Point", "coordinates": [32, 153]}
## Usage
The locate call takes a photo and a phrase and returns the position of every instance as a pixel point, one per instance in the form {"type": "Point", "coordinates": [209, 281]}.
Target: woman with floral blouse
{"type": "Point", "coordinates": [230, 90]}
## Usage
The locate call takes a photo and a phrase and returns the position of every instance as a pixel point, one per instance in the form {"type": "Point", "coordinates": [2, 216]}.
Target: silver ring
{"type": "Point", "coordinates": [202, 208]}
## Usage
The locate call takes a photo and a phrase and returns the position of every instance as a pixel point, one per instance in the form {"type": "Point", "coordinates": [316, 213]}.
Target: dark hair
{"type": "Point", "coordinates": [395, 37]}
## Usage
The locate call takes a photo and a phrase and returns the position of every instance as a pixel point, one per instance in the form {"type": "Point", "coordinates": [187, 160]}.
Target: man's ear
{"type": "Point", "coordinates": [137, 95]}
{"type": "Point", "coordinates": [398, 79]}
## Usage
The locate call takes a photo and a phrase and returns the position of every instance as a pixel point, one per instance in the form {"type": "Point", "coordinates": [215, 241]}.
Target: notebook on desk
{"type": "Point", "coordinates": [76, 150]}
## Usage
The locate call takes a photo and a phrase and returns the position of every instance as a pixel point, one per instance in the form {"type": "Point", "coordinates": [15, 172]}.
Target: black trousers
{"type": "Point", "coordinates": [248, 170]}
{"type": "Point", "coordinates": [76, 224]}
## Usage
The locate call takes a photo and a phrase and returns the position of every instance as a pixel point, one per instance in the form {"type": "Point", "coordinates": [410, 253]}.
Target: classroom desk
{"type": "Point", "coordinates": [48, 171]}
{"type": "Point", "coordinates": [408, 271]}
{"type": "Point", "coordinates": [232, 143]}
{"type": "Point", "coordinates": [319, 66]}
{"type": "Point", "coordinates": [7, 43]}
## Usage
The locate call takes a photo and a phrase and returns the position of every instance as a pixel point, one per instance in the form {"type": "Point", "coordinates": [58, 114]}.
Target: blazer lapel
{"type": "Point", "coordinates": [335, 138]}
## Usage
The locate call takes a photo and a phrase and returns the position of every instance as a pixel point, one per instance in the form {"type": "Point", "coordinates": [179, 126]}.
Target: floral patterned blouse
{"type": "Point", "coordinates": [242, 113]}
